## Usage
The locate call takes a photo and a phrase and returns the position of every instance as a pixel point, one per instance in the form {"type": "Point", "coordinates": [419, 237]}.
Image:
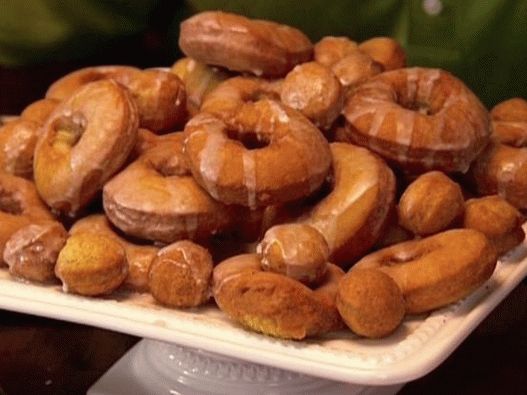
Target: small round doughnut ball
{"type": "Point", "coordinates": [370, 303]}
{"type": "Point", "coordinates": [180, 275]}
{"type": "Point", "coordinates": [355, 68]}
{"type": "Point", "coordinates": [386, 51]}
{"type": "Point", "coordinates": [313, 89]}
{"type": "Point", "coordinates": [329, 50]}
{"type": "Point", "coordinates": [430, 204]}
{"type": "Point", "coordinates": [497, 219]}
{"type": "Point", "coordinates": [91, 264]}
{"type": "Point", "coordinates": [32, 251]}
{"type": "Point", "coordinates": [298, 251]}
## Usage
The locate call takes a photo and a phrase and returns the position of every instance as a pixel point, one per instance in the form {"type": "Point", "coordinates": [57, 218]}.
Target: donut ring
{"type": "Point", "coordinates": [156, 198]}
{"type": "Point", "coordinates": [419, 119]}
{"type": "Point", "coordinates": [257, 177]}
{"type": "Point", "coordinates": [352, 216]}
{"type": "Point", "coordinates": [17, 145]}
{"type": "Point", "coordinates": [83, 144]}
{"type": "Point", "coordinates": [437, 270]}
{"type": "Point", "coordinates": [502, 168]}
{"type": "Point", "coordinates": [241, 44]}
{"type": "Point", "coordinates": [20, 206]}
{"type": "Point", "coordinates": [139, 257]}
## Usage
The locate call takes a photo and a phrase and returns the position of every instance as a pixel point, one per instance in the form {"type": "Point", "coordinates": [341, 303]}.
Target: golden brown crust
{"type": "Point", "coordinates": [91, 264]}
{"type": "Point", "coordinates": [437, 270]}
{"type": "Point", "coordinates": [39, 110]}
{"type": "Point", "coordinates": [430, 204]}
{"type": "Point", "coordinates": [180, 275]}
{"type": "Point", "coordinates": [418, 118]}
{"type": "Point", "coordinates": [329, 50]}
{"type": "Point", "coordinates": [17, 145]}
{"type": "Point", "coordinates": [241, 44]}
{"type": "Point", "coordinates": [84, 142]}
{"type": "Point", "coordinates": [386, 51]}
{"type": "Point", "coordinates": [497, 219]}
{"type": "Point", "coordinates": [370, 303]}
{"type": "Point", "coordinates": [32, 251]}
{"type": "Point", "coordinates": [509, 122]}
{"type": "Point", "coordinates": [298, 251]}
{"type": "Point", "coordinates": [156, 198]}
{"type": "Point", "coordinates": [255, 177]}
{"type": "Point", "coordinates": [354, 69]}
{"type": "Point", "coordinates": [138, 257]}
{"type": "Point", "coordinates": [352, 216]}
{"type": "Point", "coordinates": [232, 267]}
{"type": "Point", "coordinates": [315, 91]}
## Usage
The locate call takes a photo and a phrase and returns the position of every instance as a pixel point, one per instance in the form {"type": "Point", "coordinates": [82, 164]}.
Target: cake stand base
{"type": "Point", "coordinates": [152, 367]}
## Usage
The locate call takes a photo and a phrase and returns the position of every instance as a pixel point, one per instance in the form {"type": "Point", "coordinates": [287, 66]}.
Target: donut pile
{"type": "Point", "coordinates": [304, 188]}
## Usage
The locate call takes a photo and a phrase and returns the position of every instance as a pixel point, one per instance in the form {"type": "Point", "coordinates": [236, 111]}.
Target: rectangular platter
{"type": "Point", "coordinates": [419, 345]}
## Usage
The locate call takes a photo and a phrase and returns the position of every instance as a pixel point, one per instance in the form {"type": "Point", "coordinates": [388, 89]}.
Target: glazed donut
{"type": "Point", "coordinates": [241, 44]}
{"type": "Point", "coordinates": [84, 142]}
{"type": "Point", "coordinates": [180, 275]}
{"type": "Point", "coordinates": [156, 198]}
{"type": "Point", "coordinates": [39, 110]}
{"type": "Point", "coordinates": [20, 206]}
{"type": "Point", "coordinates": [430, 204]}
{"type": "Point", "coordinates": [233, 266]}
{"type": "Point", "coordinates": [386, 51]}
{"type": "Point", "coordinates": [32, 251]}
{"type": "Point", "coordinates": [146, 140]}
{"type": "Point", "coordinates": [298, 251]}
{"type": "Point", "coordinates": [159, 95]}
{"type": "Point", "coordinates": [419, 119]}
{"type": "Point", "coordinates": [91, 264]}
{"type": "Point", "coordinates": [139, 257]}
{"type": "Point", "coordinates": [329, 50]}
{"type": "Point", "coordinates": [274, 304]}
{"type": "Point", "coordinates": [502, 167]}
{"type": "Point", "coordinates": [226, 99]}
{"type": "Point", "coordinates": [241, 160]}
{"type": "Point", "coordinates": [17, 145]}
{"type": "Point", "coordinates": [352, 216]}
{"type": "Point", "coordinates": [313, 89]}
{"type": "Point", "coordinates": [500, 221]}
{"type": "Point", "coordinates": [199, 80]}
{"type": "Point", "coordinates": [370, 303]}
{"type": "Point", "coordinates": [354, 69]}
{"type": "Point", "coordinates": [437, 270]}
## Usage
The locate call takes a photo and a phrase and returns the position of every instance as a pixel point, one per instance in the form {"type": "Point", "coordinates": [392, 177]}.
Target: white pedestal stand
{"type": "Point", "coordinates": [153, 367]}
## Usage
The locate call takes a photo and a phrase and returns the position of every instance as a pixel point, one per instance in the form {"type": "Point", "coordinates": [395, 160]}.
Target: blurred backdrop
{"type": "Point", "coordinates": [484, 42]}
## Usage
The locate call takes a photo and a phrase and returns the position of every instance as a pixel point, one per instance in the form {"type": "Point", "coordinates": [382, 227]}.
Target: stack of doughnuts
{"type": "Point", "coordinates": [302, 188]}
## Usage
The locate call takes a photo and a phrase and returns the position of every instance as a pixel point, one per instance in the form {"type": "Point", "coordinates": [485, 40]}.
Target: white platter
{"type": "Point", "coordinates": [417, 347]}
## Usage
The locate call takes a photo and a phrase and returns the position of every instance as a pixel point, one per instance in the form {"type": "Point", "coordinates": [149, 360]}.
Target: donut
{"type": "Point", "coordinates": [91, 264]}
{"type": "Point", "coordinates": [39, 110]}
{"type": "Point", "coordinates": [244, 160]}
{"type": "Point", "coordinates": [370, 303]}
{"type": "Point", "coordinates": [497, 219]}
{"type": "Point", "coordinates": [354, 69]}
{"type": "Point", "coordinates": [315, 91]}
{"type": "Point", "coordinates": [83, 143]}
{"type": "Point", "coordinates": [274, 304]}
{"type": "Point", "coordinates": [419, 119]}
{"type": "Point", "coordinates": [430, 204]}
{"type": "Point", "coordinates": [199, 80]}
{"type": "Point", "coordinates": [298, 251]}
{"type": "Point", "coordinates": [156, 198]}
{"type": "Point", "coordinates": [31, 252]}
{"type": "Point", "coordinates": [386, 51]}
{"type": "Point", "coordinates": [20, 205]}
{"type": "Point", "coordinates": [241, 44]}
{"type": "Point", "coordinates": [159, 95]}
{"type": "Point", "coordinates": [437, 270]}
{"type": "Point", "coordinates": [17, 145]}
{"type": "Point", "coordinates": [329, 50]}
{"type": "Point", "coordinates": [180, 275]}
{"type": "Point", "coordinates": [147, 140]}
{"type": "Point", "coordinates": [351, 217]}
{"type": "Point", "coordinates": [138, 256]}
{"type": "Point", "coordinates": [226, 99]}
{"type": "Point", "coordinates": [232, 266]}
{"type": "Point", "coordinates": [502, 167]}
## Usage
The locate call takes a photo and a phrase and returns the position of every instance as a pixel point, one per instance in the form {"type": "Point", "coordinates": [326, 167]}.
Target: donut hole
{"type": "Point", "coordinates": [9, 204]}
{"type": "Point", "coordinates": [250, 139]}
{"type": "Point", "coordinates": [69, 129]}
